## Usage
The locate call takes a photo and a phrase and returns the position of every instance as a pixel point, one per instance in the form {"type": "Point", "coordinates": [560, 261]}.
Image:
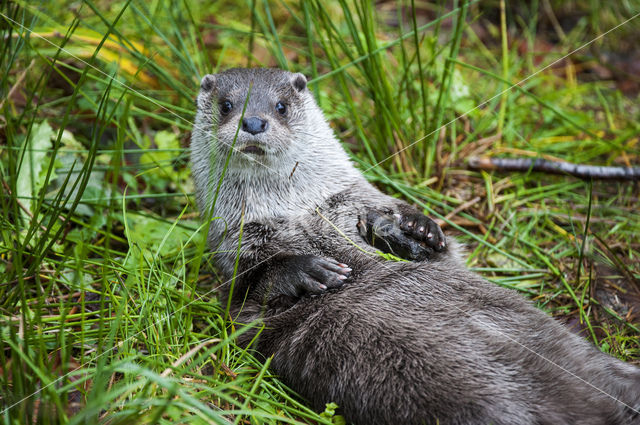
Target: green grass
{"type": "Point", "coordinates": [108, 310]}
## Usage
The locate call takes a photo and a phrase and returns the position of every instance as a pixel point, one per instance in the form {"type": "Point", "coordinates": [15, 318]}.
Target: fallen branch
{"type": "Point", "coordinates": [555, 167]}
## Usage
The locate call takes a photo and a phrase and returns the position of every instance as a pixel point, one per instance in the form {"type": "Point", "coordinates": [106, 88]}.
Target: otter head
{"type": "Point", "coordinates": [257, 111]}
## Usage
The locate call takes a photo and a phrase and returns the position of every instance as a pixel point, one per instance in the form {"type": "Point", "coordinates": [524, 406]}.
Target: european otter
{"type": "Point", "coordinates": [419, 342]}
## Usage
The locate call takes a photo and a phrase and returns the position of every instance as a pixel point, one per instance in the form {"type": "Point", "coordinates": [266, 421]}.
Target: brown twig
{"type": "Point", "coordinates": [555, 167]}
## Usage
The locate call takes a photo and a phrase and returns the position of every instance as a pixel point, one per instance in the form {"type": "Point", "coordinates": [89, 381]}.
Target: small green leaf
{"type": "Point", "coordinates": [29, 181]}
{"type": "Point", "coordinates": [330, 413]}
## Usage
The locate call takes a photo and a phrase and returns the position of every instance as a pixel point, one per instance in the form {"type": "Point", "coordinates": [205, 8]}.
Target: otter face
{"type": "Point", "coordinates": [258, 111]}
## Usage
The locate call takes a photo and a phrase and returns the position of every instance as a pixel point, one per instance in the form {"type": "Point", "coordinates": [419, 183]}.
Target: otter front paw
{"type": "Point", "coordinates": [409, 236]}
{"type": "Point", "coordinates": [421, 228]}
{"type": "Point", "coordinates": [309, 274]}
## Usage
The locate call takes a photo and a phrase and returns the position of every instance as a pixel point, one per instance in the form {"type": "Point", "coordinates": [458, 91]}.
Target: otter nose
{"type": "Point", "coordinates": [254, 125]}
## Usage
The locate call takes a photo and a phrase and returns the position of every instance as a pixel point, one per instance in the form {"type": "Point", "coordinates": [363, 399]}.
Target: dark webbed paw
{"type": "Point", "coordinates": [411, 236]}
{"type": "Point", "coordinates": [314, 275]}
{"type": "Point", "coordinates": [421, 228]}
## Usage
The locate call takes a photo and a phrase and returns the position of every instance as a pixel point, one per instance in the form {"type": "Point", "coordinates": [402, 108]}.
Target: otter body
{"type": "Point", "coordinates": [419, 342]}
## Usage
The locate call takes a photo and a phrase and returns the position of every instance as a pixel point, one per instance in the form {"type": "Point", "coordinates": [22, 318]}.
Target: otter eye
{"type": "Point", "coordinates": [281, 108]}
{"type": "Point", "coordinates": [225, 107]}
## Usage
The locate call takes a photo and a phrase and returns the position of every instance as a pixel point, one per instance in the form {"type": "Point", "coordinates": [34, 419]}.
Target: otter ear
{"type": "Point", "coordinates": [299, 81]}
{"type": "Point", "coordinates": [207, 83]}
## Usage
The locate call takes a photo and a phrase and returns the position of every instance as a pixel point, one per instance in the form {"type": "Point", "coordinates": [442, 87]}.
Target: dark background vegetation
{"type": "Point", "coordinates": [107, 305]}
